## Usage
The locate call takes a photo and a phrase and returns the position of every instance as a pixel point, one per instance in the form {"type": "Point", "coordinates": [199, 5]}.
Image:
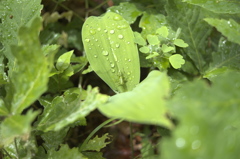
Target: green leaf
{"type": "Point", "coordinates": [29, 78]}
{"type": "Point", "coordinates": [65, 152]}
{"type": "Point", "coordinates": [128, 11]}
{"type": "Point", "coordinates": [229, 28]}
{"type": "Point", "coordinates": [68, 109]}
{"type": "Point", "coordinates": [166, 48]}
{"type": "Point", "coordinates": [194, 31]}
{"type": "Point", "coordinates": [144, 104]}
{"type": "Point", "coordinates": [207, 119]}
{"type": "Point", "coordinates": [176, 61]}
{"type": "Point", "coordinates": [149, 23]}
{"type": "Point", "coordinates": [163, 31]}
{"type": "Point", "coordinates": [63, 61]}
{"type": "Point", "coordinates": [153, 39]}
{"type": "Point", "coordinates": [111, 51]}
{"type": "Point", "coordinates": [180, 43]}
{"type": "Point", "coordinates": [216, 6]}
{"type": "Point", "coordinates": [16, 126]}
{"type": "Point", "coordinates": [3, 109]}
{"type": "Point", "coordinates": [138, 39]}
{"type": "Point", "coordinates": [15, 14]}
{"type": "Point", "coordinates": [96, 144]}
{"type": "Point", "coordinates": [144, 49]}
{"type": "Point", "coordinates": [151, 55]}
{"type": "Point", "coordinates": [52, 139]}
{"type": "Point", "coordinates": [225, 58]}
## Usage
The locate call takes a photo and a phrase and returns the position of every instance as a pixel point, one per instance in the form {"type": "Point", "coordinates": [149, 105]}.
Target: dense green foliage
{"type": "Point", "coordinates": [189, 49]}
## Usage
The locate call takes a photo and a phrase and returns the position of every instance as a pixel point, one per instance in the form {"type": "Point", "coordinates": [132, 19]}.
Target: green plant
{"type": "Point", "coordinates": [189, 54]}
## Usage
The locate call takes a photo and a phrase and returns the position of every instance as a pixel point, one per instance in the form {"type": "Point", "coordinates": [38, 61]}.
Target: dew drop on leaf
{"type": "Point", "coordinates": [92, 32]}
{"type": "Point", "coordinates": [112, 65]}
{"type": "Point", "coordinates": [117, 17]}
{"type": "Point", "coordinates": [87, 40]}
{"type": "Point", "coordinates": [120, 36]}
{"type": "Point", "coordinates": [98, 29]}
{"type": "Point", "coordinates": [113, 70]}
{"type": "Point", "coordinates": [105, 53]}
{"type": "Point", "coordinates": [112, 31]}
{"type": "Point", "coordinates": [95, 56]}
{"type": "Point", "coordinates": [117, 45]}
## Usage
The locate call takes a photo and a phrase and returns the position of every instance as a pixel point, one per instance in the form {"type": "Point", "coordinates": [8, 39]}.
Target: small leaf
{"type": "Point", "coordinates": [65, 152]}
{"type": "Point", "coordinates": [153, 39]}
{"type": "Point", "coordinates": [163, 31]}
{"type": "Point", "coordinates": [180, 43]}
{"type": "Point", "coordinates": [64, 61]}
{"type": "Point", "coordinates": [96, 144]}
{"type": "Point", "coordinates": [144, 49]}
{"type": "Point", "coordinates": [166, 48]}
{"type": "Point", "coordinates": [176, 61]}
{"type": "Point", "coordinates": [144, 104]}
{"type": "Point", "coordinates": [153, 54]}
{"type": "Point", "coordinates": [139, 39]}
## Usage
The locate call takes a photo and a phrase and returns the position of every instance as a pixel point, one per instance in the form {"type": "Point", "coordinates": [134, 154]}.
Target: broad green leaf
{"type": "Point", "coordinates": [15, 14]}
{"type": "Point", "coordinates": [97, 143]}
{"type": "Point", "coordinates": [21, 148]}
{"type": "Point", "coordinates": [144, 49]}
{"type": "Point", "coordinates": [65, 152]}
{"type": "Point", "coordinates": [150, 22]}
{"type": "Point", "coordinates": [111, 51]}
{"type": "Point", "coordinates": [29, 78]}
{"type": "Point", "coordinates": [194, 31]}
{"type": "Point", "coordinates": [3, 109]}
{"type": "Point", "coordinates": [217, 6]}
{"type": "Point", "coordinates": [52, 139]}
{"type": "Point", "coordinates": [166, 48]}
{"type": "Point", "coordinates": [16, 126]}
{"type": "Point", "coordinates": [93, 155]}
{"type": "Point", "coordinates": [68, 109]}
{"type": "Point", "coordinates": [63, 61]}
{"type": "Point", "coordinates": [127, 10]}
{"type": "Point", "coordinates": [144, 104]}
{"type": "Point", "coordinates": [176, 61]}
{"type": "Point", "coordinates": [225, 58]}
{"type": "Point", "coordinates": [163, 31]}
{"type": "Point", "coordinates": [229, 28]}
{"type": "Point", "coordinates": [153, 39]}
{"type": "Point", "coordinates": [208, 117]}
{"type": "Point", "coordinates": [180, 43]}
{"type": "Point", "coordinates": [138, 39]}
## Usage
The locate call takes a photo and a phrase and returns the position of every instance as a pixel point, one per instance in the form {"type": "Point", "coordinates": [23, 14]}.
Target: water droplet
{"type": "Point", "coordinates": [95, 56]}
{"type": "Point", "coordinates": [105, 30]}
{"type": "Point", "coordinates": [98, 29]}
{"type": "Point", "coordinates": [128, 73]}
{"type": "Point", "coordinates": [120, 36]}
{"type": "Point", "coordinates": [87, 40]}
{"type": "Point", "coordinates": [112, 31]}
{"type": "Point", "coordinates": [96, 40]}
{"type": "Point", "coordinates": [112, 65]}
{"type": "Point", "coordinates": [129, 60]}
{"type": "Point", "coordinates": [92, 32]}
{"type": "Point", "coordinates": [113, 70]}
{"type": "Point", "coordinates": [105, 53]}
{"type": "Point", "coordinates": [180, 142]}
{"type": "Point", "coordinates": [122, 26]}
{"type": "Point", "coordinates": [117, 17]}
{"type": "Point", "coordinates": [128, 42]}
{"type": "Point", "coordinates": [117, 45]}
{"type": "Point", "coordinates": [229, 23]}
{"type": "Point", "coordinates": [196, 144]}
